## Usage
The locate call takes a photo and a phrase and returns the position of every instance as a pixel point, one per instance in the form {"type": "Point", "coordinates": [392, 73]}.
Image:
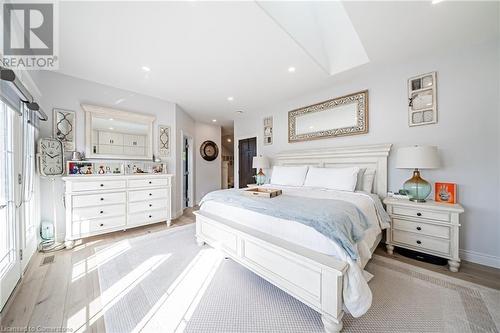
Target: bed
{"type": "Point", "coordinates": [294, 257]}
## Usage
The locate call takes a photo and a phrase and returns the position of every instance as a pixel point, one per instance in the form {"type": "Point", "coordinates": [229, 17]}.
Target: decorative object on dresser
{"type": "Point", "coordinates": [209, 150]}
{"type": "Point", "coordinates": [64, 127]}
{"type": "Point", "coordinates": [268, 131]}
{"type": "Point", "coordinates": [445, 192]}
{"type": "Point", "coordinates": [101, 204]}
{"type": "Point", "coordinates": [164, 140]}
{"type": "Point", "coordinates": [417, 157]}
{"type": "Point", "coordinates": [429, 227]}
{"type": "Point", "coordinates": [50, 157]}
{"type": "Point", "coordinates": [346, 115]}
{"type": "Point", "coordinates": [422, 101]}
{"type": "Point", "coordinates": [117, 134]}
{"type": "Point", "coordinates": [260, 162]}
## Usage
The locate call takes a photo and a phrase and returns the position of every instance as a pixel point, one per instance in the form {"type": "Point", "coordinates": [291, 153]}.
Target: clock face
{"type": "Point", "coordinates": [51, 157]}
{"type": "Point", "coordinates": [209, 150]}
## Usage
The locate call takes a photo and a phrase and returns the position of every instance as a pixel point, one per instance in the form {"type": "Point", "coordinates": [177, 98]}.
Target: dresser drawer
{"type": "Point", "coordinates": [98, 185]}
{"type": "Point", "coordinates": [148, 216]}
{"type": "Point", "coordinates": [148, 182]}
{"type": "Point", "coordinates": [88, 200]}
{"type": "Point", "coordinates": [422, 228]}
{"type": "Point", "coordinates": [96, 225]}
{"type": "Point", "coordinates": [421, 213]}
{"type": "Point", "coordinates": [420, 241]}
{"type": "Point", "coordinates": [143, 195]}
{"type": "Point", "coordinates": [98, 212]}
{"type": "Point", "coordinates": [141, 206]}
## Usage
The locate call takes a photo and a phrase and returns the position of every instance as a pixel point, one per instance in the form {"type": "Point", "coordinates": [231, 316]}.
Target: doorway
{"type": "Point", "coordinates": [187, 171]}
{"type": "Point", "coordinates": [247, 149]}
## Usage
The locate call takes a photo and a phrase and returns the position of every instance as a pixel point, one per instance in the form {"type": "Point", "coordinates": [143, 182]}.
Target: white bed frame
{"type": "Point", "coordinates": [312, 277]}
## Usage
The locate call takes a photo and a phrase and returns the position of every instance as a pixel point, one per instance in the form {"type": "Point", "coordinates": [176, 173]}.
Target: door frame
{"type": "Point", "coordinates": [237, 154]}
{"type": "Point", "coordinates": [191, 157]}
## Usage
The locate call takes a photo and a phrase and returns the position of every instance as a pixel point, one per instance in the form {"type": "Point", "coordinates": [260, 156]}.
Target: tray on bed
{"type": "Point", "coordinates": [263, 192]}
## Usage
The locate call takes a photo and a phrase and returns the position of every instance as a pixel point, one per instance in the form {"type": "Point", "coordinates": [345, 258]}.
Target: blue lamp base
{"type": "Point", "coordinates": [418, 188]}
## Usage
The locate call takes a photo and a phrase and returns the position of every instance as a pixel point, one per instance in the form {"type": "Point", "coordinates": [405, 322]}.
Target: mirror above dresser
{"type": "Point", "coordinates": [117, 134]}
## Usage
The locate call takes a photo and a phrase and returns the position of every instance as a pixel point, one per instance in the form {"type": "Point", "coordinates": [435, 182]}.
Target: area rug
{"type": "Point", "coordinates": [163, 282]}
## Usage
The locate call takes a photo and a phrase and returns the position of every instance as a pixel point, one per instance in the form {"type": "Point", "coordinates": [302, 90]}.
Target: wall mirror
{"type": "Point", "coordinates": [346, 115]}
{"type": "Point", "coordinates": [116, 134]}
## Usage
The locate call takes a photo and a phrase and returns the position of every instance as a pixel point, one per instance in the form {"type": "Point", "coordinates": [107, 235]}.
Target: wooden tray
{"type": "Point", "coordinates": [263, 192]}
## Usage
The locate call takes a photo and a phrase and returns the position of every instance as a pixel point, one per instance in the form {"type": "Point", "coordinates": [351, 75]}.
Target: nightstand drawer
{"type": "Point", "coordinates": [422, 228]}
{"type": "Point", "coordinates": [421, 213]}
{"type": "Point", "coordinates": [422, 242]}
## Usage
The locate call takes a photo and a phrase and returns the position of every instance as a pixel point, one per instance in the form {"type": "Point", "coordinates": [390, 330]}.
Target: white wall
{"type": "Point", "coordinates": [65, 92]}
{"type": "Point", "coordinates": [466, 132]}
{"type": "Point", "coordinates": [208, 174]}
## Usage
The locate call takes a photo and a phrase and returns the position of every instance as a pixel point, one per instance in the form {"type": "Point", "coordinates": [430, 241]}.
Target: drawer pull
{"type": "Point", "coordinates": [101, 212]}
{"type": "Point", "coordinates": [150, 194]}
{"type": "Point", "coordinates": [150, 182]}
{"type": "Point", "coordinates": [419, 228]}
{"type": "Point", "coordinates": [150, 205]}
{"type": "Point", "coordinates": [150, 216]}
{"type": "Point", "coordinates": [102, 199]}
{"type": "Point", "coordinates": [102, 224]}
{"type": "Point", "coordinates": [419, 214]}
{"type": "Point", "coordinates": [419, 242]}
{"type": "Point", "coordinates": [102, 185]}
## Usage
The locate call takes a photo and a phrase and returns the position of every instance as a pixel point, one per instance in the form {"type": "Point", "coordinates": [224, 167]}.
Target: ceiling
{"type": "Point", "coordinates": [201, 53]}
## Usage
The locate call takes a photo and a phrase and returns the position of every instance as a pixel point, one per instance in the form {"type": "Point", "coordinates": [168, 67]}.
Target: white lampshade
{"type": "Point", "coordinates": [417, 157]}
{"type": "Point", "coordinates": [260, 162]}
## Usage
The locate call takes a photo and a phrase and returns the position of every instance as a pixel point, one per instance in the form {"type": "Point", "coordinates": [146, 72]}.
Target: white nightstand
{"type": "Point", "coordinates": [428, 227]}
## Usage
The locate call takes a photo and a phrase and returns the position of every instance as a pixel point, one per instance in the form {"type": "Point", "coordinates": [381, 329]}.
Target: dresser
{"type": "Point", "coordinates": [428, 227]}
{"type": "Point", "coordinates": [100, 204]}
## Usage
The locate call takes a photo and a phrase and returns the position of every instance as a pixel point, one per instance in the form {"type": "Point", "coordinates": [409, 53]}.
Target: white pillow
{"type": "Point", "coordinates": [343, 179]}
{"type": "Point", "coordinates": [366, 177]}
{"type": "Point", "coordinates": [289, 175]}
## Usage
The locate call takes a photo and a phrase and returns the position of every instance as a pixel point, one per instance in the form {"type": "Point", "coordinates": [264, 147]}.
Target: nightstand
{"type": "Point", "coordinates": [427, 227]}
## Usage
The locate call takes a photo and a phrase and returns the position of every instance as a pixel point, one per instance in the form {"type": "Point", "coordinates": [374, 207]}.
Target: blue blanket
{"type": "Point", "coordinates": [340, 221]}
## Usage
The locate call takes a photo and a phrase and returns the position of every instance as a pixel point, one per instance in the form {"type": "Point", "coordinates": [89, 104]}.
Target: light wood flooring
{"type": "Point", "coordinates": [51, 296]}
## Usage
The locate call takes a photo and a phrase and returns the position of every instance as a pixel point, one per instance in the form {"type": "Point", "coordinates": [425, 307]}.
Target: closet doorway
{"type": "Point", "coordinates": [187, 171]}
{"type": "Point", "coordinates": [247, 149]}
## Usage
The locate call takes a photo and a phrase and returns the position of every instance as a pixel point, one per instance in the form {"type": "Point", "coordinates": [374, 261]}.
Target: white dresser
{"type": "Point", "coordinates": [428, 227]}
{"type": "Point", "coordinates": [101, 204]}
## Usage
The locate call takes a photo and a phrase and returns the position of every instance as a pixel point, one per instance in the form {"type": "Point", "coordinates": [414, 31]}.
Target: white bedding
{"type": "Point", "coordinates": [357, 294]}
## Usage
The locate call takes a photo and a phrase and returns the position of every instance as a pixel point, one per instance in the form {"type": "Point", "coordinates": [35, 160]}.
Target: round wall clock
{"type": "Point", "coordinates": [209, 150]}
{"type": "Point", "coordinates": [50, 157]}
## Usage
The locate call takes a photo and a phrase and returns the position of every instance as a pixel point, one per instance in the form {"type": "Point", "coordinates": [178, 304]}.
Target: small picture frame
{"type": "Point", "coordinates": [268, 131]}
{"type": "Point", "coordinates": [163, 141]}
{"type": "Point", "coordinates": [422, 100]}
{"type": "Point", "coordinates": [445, 193]}
{"type": "Point", "coordinates": [64, 128]}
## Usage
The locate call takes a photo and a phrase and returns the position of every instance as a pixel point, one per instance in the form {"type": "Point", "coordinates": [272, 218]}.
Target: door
{"type": "Point", "coordinates": [247, 149]}
{"type": "Point", "coordinates": [185, 172]}
{"type": "Point", "coordinates": [10, 261]}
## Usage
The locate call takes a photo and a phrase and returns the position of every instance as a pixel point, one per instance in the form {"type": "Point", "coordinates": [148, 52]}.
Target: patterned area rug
{"type": "Point", "coordinates": [162, 282]}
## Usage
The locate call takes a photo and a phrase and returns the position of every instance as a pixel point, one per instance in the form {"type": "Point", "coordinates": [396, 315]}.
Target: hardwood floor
{"type": "Point", "coordinates": [66, 292]}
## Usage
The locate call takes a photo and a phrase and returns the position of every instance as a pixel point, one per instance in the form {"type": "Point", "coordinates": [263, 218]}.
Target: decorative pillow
{"type": "Point", "coordinates": [366, 177]}
{"type": "Point", "coordinates": [289, 175]}
{"type": "Point", "coordinates": [343, 179]}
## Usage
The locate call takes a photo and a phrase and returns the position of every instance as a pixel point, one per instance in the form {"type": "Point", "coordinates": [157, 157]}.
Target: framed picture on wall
{"type": "Point", "coordinates": [422, 103]}
{"type": "Point", "coordinates": [64, 128]}
{"type": "Point", "coordinates": [163, 141]}
{"type": "Point", "coordinates": [268, 131]}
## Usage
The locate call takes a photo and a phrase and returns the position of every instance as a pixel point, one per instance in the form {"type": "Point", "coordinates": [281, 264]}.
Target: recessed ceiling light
{"type": "Point", "coordinates": [436, 1]}
{"type": "Point", "coordinates": [111, 128]}
{"type": "Point", "coordinates": [239, 111]}
{"type": "Point", "coordinates": [111, 119]}
{"type": "Point", "coordinates": [230, 98]}
{"type": "Point", "coordinates": [291, 69]}
{"type": "Point", "coordinates": [146, 68]}
{"type": "Point", "coordinates": [214, 120]}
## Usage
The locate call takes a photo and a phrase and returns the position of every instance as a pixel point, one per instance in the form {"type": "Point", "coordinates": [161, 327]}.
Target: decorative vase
{"type": "Point", "coordinates": [417, 187]}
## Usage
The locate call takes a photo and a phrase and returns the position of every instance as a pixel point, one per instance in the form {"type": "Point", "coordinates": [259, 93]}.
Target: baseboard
{"type": "Point", "coordinates": [480, 258]}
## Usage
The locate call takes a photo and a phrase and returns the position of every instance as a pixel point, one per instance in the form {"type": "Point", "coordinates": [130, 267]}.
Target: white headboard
{"type": "Point", "coordinates": [367, 156]}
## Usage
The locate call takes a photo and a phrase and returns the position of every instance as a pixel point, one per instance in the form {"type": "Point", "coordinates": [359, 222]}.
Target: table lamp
{"type": "Point", "coordinates": [260, 162]}
{"type": "Point", "coordinates": [417, 157]}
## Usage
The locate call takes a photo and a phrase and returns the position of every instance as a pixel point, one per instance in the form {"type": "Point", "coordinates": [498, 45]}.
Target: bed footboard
{"type": "Point", "coordinates": [313, 278]}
